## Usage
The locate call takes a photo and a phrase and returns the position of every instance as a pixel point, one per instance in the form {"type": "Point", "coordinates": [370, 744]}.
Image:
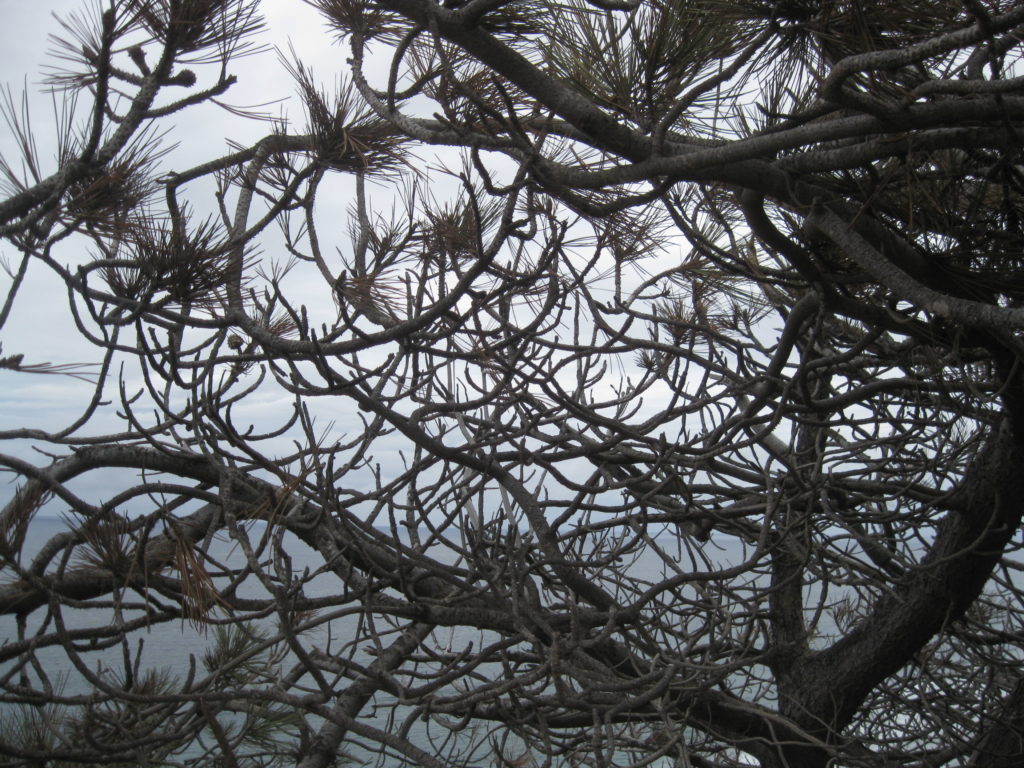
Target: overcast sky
{"type": "Point", "coordinates": [40, 326]}
{"type": "Point", "coordinates": [201, 134]}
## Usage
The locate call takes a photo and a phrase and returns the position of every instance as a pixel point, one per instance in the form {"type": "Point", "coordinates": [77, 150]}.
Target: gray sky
{"type": "Point", "coordinates": [40, 326]}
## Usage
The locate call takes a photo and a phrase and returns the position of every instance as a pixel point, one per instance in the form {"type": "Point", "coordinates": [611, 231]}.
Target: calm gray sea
{"type": "Point", "coordinates": [175, 646]}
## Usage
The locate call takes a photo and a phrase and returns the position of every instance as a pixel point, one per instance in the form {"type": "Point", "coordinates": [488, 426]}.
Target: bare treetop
{"type": "Point", "coordinates": [571, 384]}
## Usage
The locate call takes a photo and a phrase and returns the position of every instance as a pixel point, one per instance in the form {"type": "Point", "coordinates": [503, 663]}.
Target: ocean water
{"type": "Point", "coordinates": [168, 649]}
{"type": "Point", "coordinates": [179, 646]}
